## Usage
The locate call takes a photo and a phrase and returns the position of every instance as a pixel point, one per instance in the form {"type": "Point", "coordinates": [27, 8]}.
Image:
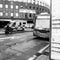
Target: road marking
{"type": "Point", "coordinates": [5, 38]}
{"type": "Point", "coordinates": [14, 37]}
{"type": "Point", "coordinates": [39, 52]}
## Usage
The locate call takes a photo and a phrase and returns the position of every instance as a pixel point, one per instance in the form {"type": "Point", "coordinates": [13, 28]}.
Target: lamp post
{"type": "Point", "coordinates": [50, 26]}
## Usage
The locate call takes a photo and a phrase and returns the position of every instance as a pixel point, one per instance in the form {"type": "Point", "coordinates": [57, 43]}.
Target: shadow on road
{"type": "Point", "coordinates": [40, 38]}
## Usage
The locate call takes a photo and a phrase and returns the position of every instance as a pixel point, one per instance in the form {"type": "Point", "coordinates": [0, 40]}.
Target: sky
{"type": "Point", "coordinates": [46, 1]}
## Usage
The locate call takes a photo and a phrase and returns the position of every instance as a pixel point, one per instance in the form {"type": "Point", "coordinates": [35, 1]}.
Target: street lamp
{"type": "Point", "coordinates": [50, 26]}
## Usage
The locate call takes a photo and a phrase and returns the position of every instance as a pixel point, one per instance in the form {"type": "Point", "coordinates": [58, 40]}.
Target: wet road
{"type": "Point", "coordinates": [20, 46]}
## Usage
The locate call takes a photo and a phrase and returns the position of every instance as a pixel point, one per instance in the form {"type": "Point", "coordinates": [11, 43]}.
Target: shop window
{"type": "Point", "coordinates": [30, 15]}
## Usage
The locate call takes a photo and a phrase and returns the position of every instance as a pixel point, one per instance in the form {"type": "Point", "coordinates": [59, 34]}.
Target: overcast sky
{"type": "Point", "coordinates": [46, 1]}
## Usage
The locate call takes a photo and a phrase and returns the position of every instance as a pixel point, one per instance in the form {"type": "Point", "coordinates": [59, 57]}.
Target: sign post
{"type": "Point", "coordinates": [55, 33]}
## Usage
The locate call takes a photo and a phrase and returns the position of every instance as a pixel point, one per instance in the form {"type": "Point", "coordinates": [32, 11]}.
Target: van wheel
{"type": "Point", "coordinates": [6, 32]}
{"type": "Point", "coordinates": [23, 29]}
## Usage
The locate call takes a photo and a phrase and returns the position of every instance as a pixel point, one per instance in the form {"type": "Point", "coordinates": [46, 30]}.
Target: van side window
{"type": "Point", "coordinates": [24, 23]}
{"type": "Point", "coordinates": [20, 24]}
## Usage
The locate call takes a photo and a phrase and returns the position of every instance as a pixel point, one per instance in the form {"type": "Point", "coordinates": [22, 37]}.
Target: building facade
{"type": "Point", "coordinates": [14, 10]}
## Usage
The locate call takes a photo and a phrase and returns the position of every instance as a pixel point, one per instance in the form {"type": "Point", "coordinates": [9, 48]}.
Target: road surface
{"type": "Point", "coordinates": [20, 46]}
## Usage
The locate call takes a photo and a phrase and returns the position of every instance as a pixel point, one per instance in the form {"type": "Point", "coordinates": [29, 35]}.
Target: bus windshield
{"type": "Point", "coordinates": [42, 21]}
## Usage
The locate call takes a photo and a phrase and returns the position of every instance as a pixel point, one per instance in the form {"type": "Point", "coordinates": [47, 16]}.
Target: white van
{"type": "Point", "coordinates": [18, 25]}
{"type": "Point", "coordinates": [42, 25]}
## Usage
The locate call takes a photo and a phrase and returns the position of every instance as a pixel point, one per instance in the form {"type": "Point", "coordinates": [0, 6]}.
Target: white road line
{"type": "Point", "coordinates": [14, 37]}
{"type": "Point", "coordinates": [5, 38]}
{"type": "Point", "coordinates": [40, 51]}
{"type": "Point", "coordinates": [2, 39]}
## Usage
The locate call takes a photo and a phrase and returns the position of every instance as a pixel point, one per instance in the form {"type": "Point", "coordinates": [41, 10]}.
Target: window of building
{"type": "Point", "coordinates": [11, 14]}
{"type": "Point", "coordinates": [16, 6]}
{"type": "Point", "coordinates": [1, 13]}
{"type": "Point", "coordinates": [11, 6]}
{"type": "Point", "coordinates": [6, 14]}
{"type": "Point", "coordinates": [17, 14]}
{"type": "Point", "coordinates": [1, 5]}
{"type": "Point", "coordinates": [6, 6]}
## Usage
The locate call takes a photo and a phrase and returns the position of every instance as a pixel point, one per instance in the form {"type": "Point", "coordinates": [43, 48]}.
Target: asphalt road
{"type": "Point", "coordinates": [20, 46]}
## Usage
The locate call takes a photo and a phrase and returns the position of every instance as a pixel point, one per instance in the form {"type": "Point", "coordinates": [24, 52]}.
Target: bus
{"type": "Point", "coordinates": [42, 25]}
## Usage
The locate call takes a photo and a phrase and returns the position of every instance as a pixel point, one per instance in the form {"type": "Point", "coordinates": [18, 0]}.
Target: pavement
{"type": "Point", "coordinates": [44, 56]}
{"type": "Point", "coordinates": [41, 54]}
